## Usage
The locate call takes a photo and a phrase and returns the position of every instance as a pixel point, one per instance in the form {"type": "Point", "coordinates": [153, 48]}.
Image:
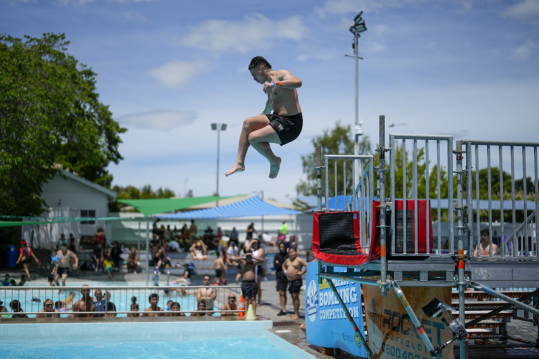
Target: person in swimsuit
{"type": "Point", "coordinates": [249, 287]}
{"type": "Point", "coordinates": [208, 294]}
{"type": "Point", "coordinates": [230, 305]}
{"type": "Point", "coordinates": [153, 299]}
{"type": "Point", "coordinates": [25, 257]}
{"type": "Point", "coordinates": [258, 253]}
{"type": "Point", "coordinates": [48, 310]}
{"type": "Point", "coordinates": [295, 267]}
{"type": "Point", "coordinates": [198, 251]}
{"type": "Point", "coordinates": [65, 261]}
{"type": "Point", "coordinates": [201, 309]}
{"type": "Point", "coordinates": [220, 270]}
{"type": "Point", "coordinates": [282, 126]}
{"type": "Point", "coordinates": [175, 310]}
{"type": "Point", "coordinates": [16, 308]}
{"type": "Point", "coordinates": [84, 304]}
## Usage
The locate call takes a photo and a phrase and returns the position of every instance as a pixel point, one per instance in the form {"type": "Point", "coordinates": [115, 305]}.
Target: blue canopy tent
{"type": "Point", "coordinates": [250, 207]}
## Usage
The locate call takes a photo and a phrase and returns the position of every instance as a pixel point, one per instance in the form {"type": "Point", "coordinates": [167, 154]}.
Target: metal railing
{"type": "Point", "coordinates": [32, 300]}
{"type": "Point", "coordinates": [447, 143]}
{"type": "Point", "coordinates": [362, 193]}
{"type": "Point", "coordinates": [523, 241]}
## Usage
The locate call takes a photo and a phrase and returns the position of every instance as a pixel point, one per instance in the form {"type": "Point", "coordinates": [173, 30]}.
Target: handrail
{"type": "Point", "coordinates": [358, 187]}
{"type": "Point", "coordinates": [517, 231]}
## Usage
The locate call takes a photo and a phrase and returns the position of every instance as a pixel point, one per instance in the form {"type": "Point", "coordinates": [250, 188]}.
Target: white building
{"type": "Point", "coordinates": [71, 197]}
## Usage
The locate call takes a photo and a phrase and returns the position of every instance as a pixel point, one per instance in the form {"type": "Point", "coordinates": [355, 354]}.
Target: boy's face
{"type": "Point", "coordinates": [249, 257]}
{"type": "Point", "coordinates": [293, 254]}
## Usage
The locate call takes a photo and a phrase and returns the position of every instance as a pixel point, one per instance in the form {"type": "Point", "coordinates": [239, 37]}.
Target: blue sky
{"type": "Point", "coordinates": [168, 69]}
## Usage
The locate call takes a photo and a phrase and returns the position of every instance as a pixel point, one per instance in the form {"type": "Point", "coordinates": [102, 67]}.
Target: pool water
{"type": "Point", "coordinates": [212, 338]}
{"type": "Point", "coordinates": [243, 347]}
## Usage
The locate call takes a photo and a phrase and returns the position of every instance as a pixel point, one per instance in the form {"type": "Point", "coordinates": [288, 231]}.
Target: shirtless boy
{"type": "Point", "coordinates": [485, 244]}
{"type": "Point", "coordinates": [230, 305]}
{"type": "Point", "coordinates": [85, 304]}
{"type": "Point", "coordinates": [294, 267]}
{"type": "Point", "coordinates": [282, 126]}
{"type": "Point", "coordinates": [220, 270]}
{"type": "Point", "coordinates": [249, 287]}
{"type": "Point", "coordinates": [65, 262]}
{"type": "Point", "coordinates": [48, 310]}
{"type": "Point", "coordinates": [153, 299]}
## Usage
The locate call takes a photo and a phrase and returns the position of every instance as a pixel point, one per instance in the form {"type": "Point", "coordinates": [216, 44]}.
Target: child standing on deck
{"type": "Point", "coordinates": [249, 287]}
{"type": "Point", "coordinates": [109, 266]}
{"type": "Point", "coordinates": [220, 270]}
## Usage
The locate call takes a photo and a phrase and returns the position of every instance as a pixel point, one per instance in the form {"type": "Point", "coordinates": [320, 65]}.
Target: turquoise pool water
{"type": "Point", "coordinates": [201, 339]}
{"type": "Point", "coordinates": [242, 347]}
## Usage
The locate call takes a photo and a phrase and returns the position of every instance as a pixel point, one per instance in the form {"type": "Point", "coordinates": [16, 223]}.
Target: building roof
{"type": "Point", "coordinates": [111, 194]}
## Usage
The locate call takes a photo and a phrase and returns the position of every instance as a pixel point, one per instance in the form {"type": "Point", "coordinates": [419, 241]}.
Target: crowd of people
{"type": "Point", "coordinates": [100, 304]}
{"type": "Point", "coordinates": [248, 258]}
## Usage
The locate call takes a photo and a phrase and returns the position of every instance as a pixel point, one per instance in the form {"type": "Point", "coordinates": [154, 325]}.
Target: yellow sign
{"type": "Point", "coordinates": [391, 333]}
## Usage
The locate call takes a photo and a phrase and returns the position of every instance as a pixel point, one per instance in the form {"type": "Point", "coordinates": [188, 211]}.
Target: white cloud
{"type": "Point", "coordinates": [134, 16]}
{"type": "Point", "coordinates": [523, 9]}
{"type": "Point", "coordinates": [254, 32]}
{"type": "Point", "coordinates": [177, 74]}
{"type": "Point", "coordinates": [158, 120]}
{"type": "Point", "coordinates": [525, 51]}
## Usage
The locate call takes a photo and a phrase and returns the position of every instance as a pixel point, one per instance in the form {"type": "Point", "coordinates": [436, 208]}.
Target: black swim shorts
{"type": "Point", "coordinates": [287, 127]}
{"type": "Point", "coordinates": [282, 283]}
{"type": "Point", "coordinates": [63, 271]}
{"type": "Point", "coordinates": [218, 273]}
{"type": "Point", "coordinates": [295, 286]}
{"type": "Point", "coordinates": [249, 289]}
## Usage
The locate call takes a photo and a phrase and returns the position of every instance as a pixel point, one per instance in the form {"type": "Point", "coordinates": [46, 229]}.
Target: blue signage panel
{"type": "Point", "coordinates": [327, 325]}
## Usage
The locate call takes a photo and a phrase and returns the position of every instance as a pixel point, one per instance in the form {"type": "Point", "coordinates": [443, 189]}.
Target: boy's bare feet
{"type": "Point", "coordinates": [294, 317]}
{"type": "Point", "coordinates": [274, 168]}
{"type": "Point", "coordinates": [236, 168]}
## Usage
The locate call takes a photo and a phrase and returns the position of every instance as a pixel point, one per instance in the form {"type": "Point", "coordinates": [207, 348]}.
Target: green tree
{"type": "Point", "coordinates": [50, 117]}
{"type": "Point", "coordinates": [331, 141]}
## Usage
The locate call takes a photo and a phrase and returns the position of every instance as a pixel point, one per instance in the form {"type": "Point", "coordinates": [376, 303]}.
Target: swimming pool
{"type": "Point", "coordinates": [179, 339]}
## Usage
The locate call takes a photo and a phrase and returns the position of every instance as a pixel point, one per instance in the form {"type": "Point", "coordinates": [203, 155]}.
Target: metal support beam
{"type": "Point", "coordinates": [460, 233]}
{"type": "Point", "coordinates": [147, 251]}
{"type": "Point", "coordinates": [382, 196]}
{"type": "Point", "coordinates": [352, 279]}
{"type": "Point", "coordinates": [503, 297]}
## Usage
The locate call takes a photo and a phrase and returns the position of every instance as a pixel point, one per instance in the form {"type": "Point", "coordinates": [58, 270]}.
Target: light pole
{"type": "Point", "coordinates": [358, 27]}
{"type": "Point", "coordinates": [184, 186]}
{"type": "Point", "coordinates": [401, 124]}
{"type": "Point", "coordinates": [218, 127]}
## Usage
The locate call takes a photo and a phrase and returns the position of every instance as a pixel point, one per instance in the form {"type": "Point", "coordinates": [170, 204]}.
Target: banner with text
{"type": "Point", "coordinates": [327, 325]}
{"type": "Point", "coordinates": [392, 334]}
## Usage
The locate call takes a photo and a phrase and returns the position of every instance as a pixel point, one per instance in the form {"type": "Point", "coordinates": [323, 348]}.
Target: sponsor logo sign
{"type": "Point", "coordinates": [327, 324]}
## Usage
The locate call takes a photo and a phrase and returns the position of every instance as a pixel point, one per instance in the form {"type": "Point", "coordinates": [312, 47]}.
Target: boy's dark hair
{"type": "Point", "coordinates": [258, 60]}
{"type": "Point", "coordinates": [153, 295]}
{"type": "Point", "coordinates": [133, 300]}
{"type": "Point", "coordinates": [176, 303]}
{"type": "Point", "coordinates": [15, 304]}
{"type": "Point", "coordinates": [484, 231]}
{"type": "Point", "coordinates": [58, 304]}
